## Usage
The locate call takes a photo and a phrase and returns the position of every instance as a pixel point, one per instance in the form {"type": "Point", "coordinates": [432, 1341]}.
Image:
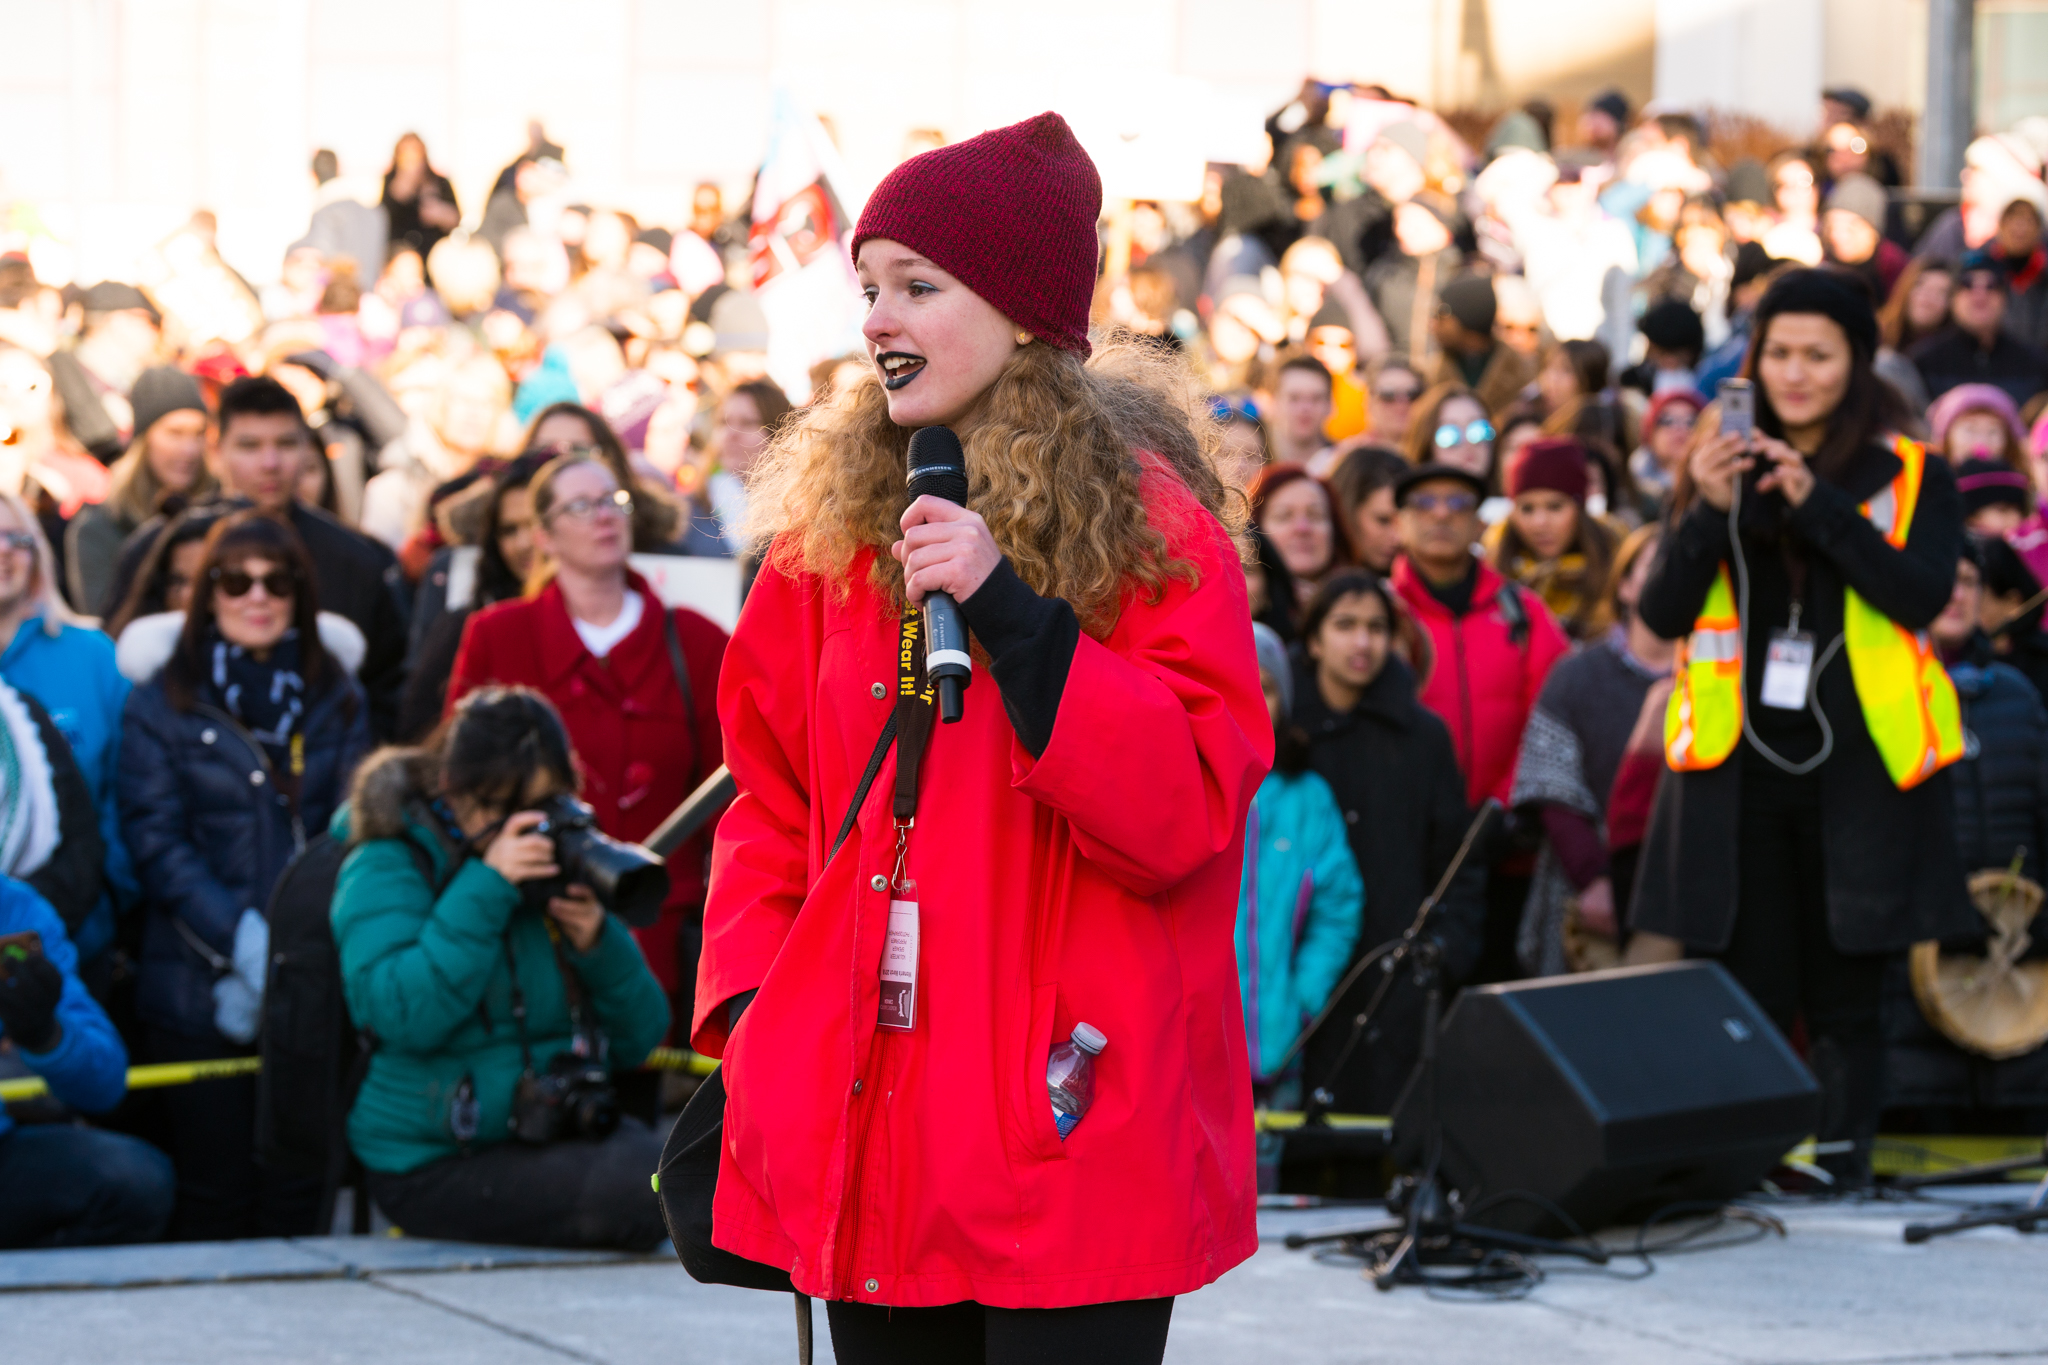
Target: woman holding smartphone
{"type": "Point", "coordinates": [1804, 832]}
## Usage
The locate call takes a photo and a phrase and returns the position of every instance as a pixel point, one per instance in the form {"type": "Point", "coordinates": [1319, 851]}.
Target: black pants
{"type": "Point", "coordinates": [572, 1194]}
{"type": "Point", "coordinates": [1132, 1332]}
{"type": "Point", "coordinates": [1782, 953]}
{"type": "Point", "coordinates": [210, 1134]}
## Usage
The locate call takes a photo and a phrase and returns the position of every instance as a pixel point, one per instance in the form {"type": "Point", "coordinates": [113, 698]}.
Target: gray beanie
{"type": "Point", "coordinates": [1273, 660]}
{"type": "Point", "coordinates": [161, 391]}
{"type": "Point", "coordinates": [1857, 193]}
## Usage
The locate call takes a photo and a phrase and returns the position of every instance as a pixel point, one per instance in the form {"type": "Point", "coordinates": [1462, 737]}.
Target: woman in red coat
{"type": "Point", "coordinates": [1078, 836]}
{"type": "Point", "coordinates": [595, 641]}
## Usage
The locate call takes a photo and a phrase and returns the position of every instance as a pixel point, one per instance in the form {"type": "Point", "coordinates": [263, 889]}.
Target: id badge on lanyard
{"type": "Point", "coordinates": [1788, 667]}
{"type": "Point", "coordinates": [914, 709]}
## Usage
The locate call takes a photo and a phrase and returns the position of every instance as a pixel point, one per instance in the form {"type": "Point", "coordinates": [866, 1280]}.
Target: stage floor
{"type": "Point", "coordinates": [1841, 1288]}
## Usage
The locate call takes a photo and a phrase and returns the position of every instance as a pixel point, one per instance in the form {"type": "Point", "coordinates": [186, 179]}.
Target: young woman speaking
{"type": "Point", "coordinates": [1074, 852]}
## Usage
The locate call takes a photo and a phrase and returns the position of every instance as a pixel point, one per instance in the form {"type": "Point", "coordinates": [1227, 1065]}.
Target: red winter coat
{"type": "Point", "coordinates": [624, 713]}
{"type": "Point", "coordinates": [1096, 882]}
{"type": "Point", "coordinates": [1484, 684]}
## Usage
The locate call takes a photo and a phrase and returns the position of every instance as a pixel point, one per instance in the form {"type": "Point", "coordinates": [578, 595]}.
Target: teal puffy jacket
{"type": "Point", "coordinates": [430, 977]}
{"type": "Point", "coordinates": [1298, 911]}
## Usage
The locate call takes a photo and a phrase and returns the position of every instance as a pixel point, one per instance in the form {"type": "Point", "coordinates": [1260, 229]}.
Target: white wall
{"type": "Point", "coordinates": [1762, 57]}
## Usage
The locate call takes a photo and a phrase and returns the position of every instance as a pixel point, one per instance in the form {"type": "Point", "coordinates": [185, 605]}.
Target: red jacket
{"type": "Point", "coordinates": [1484, 683]}
{"type": "Point", "coordinates": [638, 757]}
{"type": "Point", "coordinates": [1096, 882]}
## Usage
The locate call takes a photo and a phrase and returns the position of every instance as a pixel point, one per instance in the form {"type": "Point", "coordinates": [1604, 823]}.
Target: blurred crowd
{"type": "Point", "coordinates": [250, 532]}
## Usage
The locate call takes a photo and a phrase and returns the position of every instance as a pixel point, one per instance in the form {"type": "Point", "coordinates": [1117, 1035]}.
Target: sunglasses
{"type": "Point", "coordinates": [1473, 433]}
{"type": "Point", "coordinates": [1981, 284]}
{"type": "Point", "coordinates": [618, 502]}
{"type": "Point", "coordinates": [1457, 504]}
{"type": "Point", "coordinates": [1685, 419]}
{"type": "Point", "coordinates": [20, 541]}
{"type": "Point", "coordinates": [278, 583]}
{"type": "Point", "coordinates": [1396, 395]}
{"type": "Point", "coordinates": [1223, 409]}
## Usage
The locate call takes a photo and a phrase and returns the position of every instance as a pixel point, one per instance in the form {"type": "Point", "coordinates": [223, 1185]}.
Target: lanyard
{"type": "Point", "coordinates": [915, 705]}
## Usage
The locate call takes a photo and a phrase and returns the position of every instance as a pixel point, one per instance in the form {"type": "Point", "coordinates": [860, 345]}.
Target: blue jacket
{"type": "Point", "coordinates": [88, 1069]}
{"type": "Point", "coordinates": [72, 674]}
{"type": "Point", "coordinates": [206, 823]}
{"type": "Point", "coordinates": [1298, 911]}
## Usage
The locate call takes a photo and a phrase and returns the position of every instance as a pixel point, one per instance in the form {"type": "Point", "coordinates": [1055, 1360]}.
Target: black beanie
{"type": "Point", "coordinates": [1470, 299]}
{"type": "Point", "coordinates": [1839, 297]}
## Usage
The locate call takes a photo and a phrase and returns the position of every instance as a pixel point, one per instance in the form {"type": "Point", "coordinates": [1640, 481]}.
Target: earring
{"type": "Point", "coordinates": [1023, 338]}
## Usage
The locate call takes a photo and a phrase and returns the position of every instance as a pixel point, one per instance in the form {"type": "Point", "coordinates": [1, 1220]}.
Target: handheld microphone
{"type": "Point", "coordinates": [938, 467]}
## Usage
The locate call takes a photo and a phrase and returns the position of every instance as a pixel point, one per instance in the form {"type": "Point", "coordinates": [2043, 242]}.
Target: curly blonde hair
{"type": "Point", "coordinates": [1052, 467]}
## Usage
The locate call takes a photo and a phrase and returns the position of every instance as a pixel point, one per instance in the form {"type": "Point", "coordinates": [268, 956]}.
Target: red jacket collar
{"type": "Point", "coordinates": [562, 650]}
{"type": "Point", "coordinates": [1414, 589]}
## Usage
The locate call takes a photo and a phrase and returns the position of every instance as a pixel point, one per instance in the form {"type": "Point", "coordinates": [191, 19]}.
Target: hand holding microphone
{"type": "Point", "coordinates": [946, 553]}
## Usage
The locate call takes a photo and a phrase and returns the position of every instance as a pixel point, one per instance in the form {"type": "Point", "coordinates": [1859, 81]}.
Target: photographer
{"type": "Point", "coordinates": [1806, 830]}
{"type": "Point", "coordinates": [62, 1184]}
{"type": "Point", "coordinates": [486, 994]}
{"type": "Point", "coordinates": [634, 682]}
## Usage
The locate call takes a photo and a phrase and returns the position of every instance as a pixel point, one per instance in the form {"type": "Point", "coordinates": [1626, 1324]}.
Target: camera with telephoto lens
{"type": "Point", "coordinates": [630, 881]}
{"type": "Point", "coordinates": [575, 1099]}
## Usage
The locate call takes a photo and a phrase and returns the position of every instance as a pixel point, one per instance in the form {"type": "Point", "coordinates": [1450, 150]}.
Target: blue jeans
{"type": "Point", "coordinates": [67, 1186]}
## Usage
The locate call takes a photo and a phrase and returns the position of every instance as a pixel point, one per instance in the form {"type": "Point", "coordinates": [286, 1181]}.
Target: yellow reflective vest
{"type": "Point", "coordinates": [1909, 704]}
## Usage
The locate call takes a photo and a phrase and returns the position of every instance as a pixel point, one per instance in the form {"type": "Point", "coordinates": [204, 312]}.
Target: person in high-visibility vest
{"type": "Point", "coordinates": [1805, 833]}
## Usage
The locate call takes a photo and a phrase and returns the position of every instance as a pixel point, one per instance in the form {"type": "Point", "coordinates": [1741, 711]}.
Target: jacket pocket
{"type": "Point", "coordinates": [1032, 1106]}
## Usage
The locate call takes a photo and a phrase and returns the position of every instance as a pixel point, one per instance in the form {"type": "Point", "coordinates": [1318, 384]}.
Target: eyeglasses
{"type": "Point", "coordinates": [1396, 395]}
{"type": "Point", "coordinates": [1984, 283]}
{"type": "Point", "coordinates": [1472, 433]}
{"type": "Point", "coordinates": [19, 541]}
{"type": "Point", "coordinates": [1457, 504]}
{"type": "Point", "coordinates": [566, 450]}
{"type": "Point", "coordinates": [277, 583]}
{"type": "Point", "coordinates": [1683, 418]}
{"type": "Point", "coordinates": [618, 502]}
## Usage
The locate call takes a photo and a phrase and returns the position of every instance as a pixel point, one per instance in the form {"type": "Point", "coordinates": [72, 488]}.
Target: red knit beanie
{"type": "Point", "coordinates": [1557, 463]}
{"type": "Point", "coordinates": [1012, 214]}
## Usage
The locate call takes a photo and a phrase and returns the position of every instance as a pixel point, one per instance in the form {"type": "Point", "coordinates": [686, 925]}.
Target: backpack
{"type": "Point", "coordinates": [314, 1056]}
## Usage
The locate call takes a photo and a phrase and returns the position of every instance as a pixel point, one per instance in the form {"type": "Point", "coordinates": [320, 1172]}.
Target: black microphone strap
{"type": "Point", "coordinates": [916, 702]}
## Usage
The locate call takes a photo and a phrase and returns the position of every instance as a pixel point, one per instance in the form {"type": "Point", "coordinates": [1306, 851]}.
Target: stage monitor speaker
{"type": "Point", "coordinates": [1609, 1094]}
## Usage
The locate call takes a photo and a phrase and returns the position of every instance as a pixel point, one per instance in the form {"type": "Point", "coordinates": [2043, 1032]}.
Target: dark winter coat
{"type": "Point", "coordinates": [2001, 789]}
{"type": "Point", "coordinates": [1890, 861]}
{"type": "Point", "coordinates": [206, 823]}
{"type": "Point", "coordinates": [1390, 765]}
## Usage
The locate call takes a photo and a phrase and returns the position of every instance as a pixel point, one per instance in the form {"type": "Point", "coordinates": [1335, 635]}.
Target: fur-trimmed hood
{"type": "Point", "coordinates": [149, 641]}
{"type": "Point", "coordinates": [388, 781]}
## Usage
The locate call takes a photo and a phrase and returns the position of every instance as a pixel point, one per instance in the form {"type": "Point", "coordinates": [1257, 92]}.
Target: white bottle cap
{"type": "Point", "coordinates": [1089, 1039]}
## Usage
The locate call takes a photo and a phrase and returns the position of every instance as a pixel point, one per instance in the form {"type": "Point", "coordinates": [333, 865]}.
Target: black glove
{"type": "Point", "coordinates": [29, 993]}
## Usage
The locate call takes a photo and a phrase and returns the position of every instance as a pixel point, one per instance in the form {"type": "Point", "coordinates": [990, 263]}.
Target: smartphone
{"type": "Point", "coordinates": [1736, 399]}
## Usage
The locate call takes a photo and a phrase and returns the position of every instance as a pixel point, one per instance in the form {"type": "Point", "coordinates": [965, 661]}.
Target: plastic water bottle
{"type": "Point", "coordinates": [1070, 1076]}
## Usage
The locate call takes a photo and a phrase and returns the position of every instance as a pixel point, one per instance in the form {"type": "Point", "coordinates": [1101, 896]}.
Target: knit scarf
{"type": "Point", "coordinates": [28, 796]}
{"type": "Point", "coordinates": [266, 695]}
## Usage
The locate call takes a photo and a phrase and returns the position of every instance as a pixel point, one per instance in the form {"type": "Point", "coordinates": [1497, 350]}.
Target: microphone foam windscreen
{"type": "Point", "coordinates": [938, 466]}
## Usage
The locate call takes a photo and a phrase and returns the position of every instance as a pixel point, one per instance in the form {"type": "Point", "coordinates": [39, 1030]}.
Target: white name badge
{"type": "Point", "coordinates": [1788, 668]}
{"type": "Point", "coordinates": [899, 964]}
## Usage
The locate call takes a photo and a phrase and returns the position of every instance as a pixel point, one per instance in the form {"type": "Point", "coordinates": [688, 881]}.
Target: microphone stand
{"type": "Point", "coordinates": [1430, 1214]}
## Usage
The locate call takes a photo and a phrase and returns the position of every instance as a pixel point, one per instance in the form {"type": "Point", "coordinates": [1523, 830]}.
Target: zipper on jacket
{"type": "Point", "coordinates": [1464, 693]}
{"type": "Point", "coordinates": [269, 771]}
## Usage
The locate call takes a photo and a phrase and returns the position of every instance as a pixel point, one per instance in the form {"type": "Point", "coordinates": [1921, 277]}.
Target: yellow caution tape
{"type": "Point", "coordinates": [144, 1077]}
{"type": "Point", "coordinates": [185, 1073]}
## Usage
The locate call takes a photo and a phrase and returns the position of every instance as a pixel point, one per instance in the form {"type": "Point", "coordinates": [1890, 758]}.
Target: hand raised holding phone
{"type": "Point", "coordinates": [1722, 446]}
